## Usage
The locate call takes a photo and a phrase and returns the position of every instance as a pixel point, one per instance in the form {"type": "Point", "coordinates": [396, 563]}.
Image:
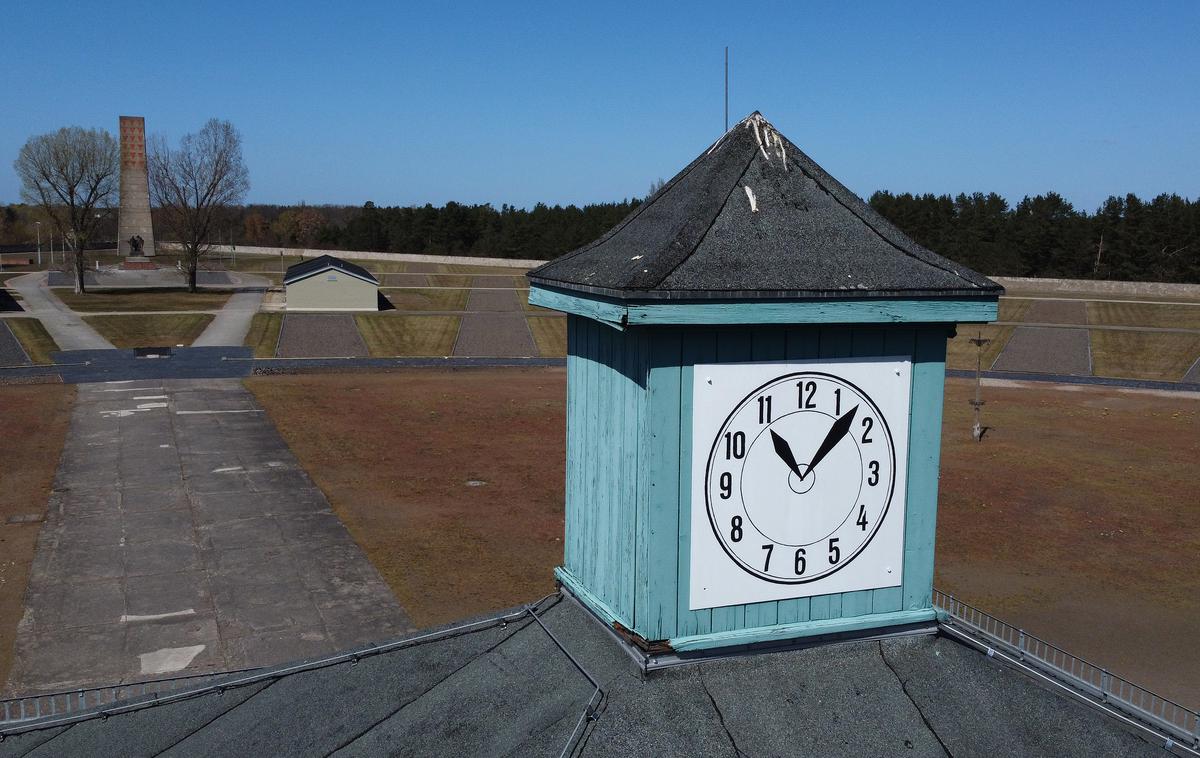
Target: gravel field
{"type": "Point", "coordinates": [11, 352]}
{"type": "Point", "coordinates": [492, 281]}
{"type": "Point", "coordinates": [320, 335]}
{"type": "Point", "coordinates": [495, 335]}
{"type": "Point", "coordinates": [1047, 350]}
{"type": "Point", "coordinates": [1057, 312]}
{"type": "Point", "coordinates": [493, 300]}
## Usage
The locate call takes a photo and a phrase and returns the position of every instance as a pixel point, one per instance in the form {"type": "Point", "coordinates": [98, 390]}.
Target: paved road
{"type": "Point", "coordinates": [183, 536]}
{"type": "Point", "coordinates": [63, 324]}
{"type": "Point", "coordinates": [233, 321]}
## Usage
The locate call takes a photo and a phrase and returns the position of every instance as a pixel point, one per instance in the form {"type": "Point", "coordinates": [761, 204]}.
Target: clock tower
{"type": "Point", "coordinates": [755, 369]}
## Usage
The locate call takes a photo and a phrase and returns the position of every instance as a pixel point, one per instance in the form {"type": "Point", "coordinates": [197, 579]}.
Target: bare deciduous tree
{"type": "Point", "coordinates": [70, 174]}
{"type": "Point", "coordinates": [196, 184]}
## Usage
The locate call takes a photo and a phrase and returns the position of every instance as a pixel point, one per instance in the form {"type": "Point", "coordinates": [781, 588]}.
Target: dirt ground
{"type": "Point", "coordinates": [33, 424]}
{"type": "Point", "coordinates": [1075, 518]}
{"type": "Point", "coordinates": [451, 481]}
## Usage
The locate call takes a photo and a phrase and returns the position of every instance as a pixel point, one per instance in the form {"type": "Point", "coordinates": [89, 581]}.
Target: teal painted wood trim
{"type": "Point", "coordinates": [610, 312]}
{"type": "Point", "coordinates": [832, 311]}
{"type": "Point", "coordinates": [924, 457]}
{"type": "Point", "coordinates": [606, 379]}
{"type": "Point", "coordinates": [588, 598]}
{"type": "Point", "coordinates": [698, 346]}
{"type": "Point", "coordinates": [781, 632]}
{"type": "Point", "coordinates": [660, 516]}
{"type": "Point", "coordinates": [896, 341]}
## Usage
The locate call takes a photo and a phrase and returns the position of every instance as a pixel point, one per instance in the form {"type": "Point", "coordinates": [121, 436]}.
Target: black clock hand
{"type": "Point", "coordinates": [784, 451]}
{"type": "Point", "coordinates": [836, 432]}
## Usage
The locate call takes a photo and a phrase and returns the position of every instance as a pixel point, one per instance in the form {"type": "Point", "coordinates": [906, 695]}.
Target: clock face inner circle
{"type": "Point", "coordinates": [800, 477]}
{"type": "Point", "coordinates": [837, 479]}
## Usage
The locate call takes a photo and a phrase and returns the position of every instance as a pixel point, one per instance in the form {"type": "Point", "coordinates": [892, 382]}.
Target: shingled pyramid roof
{"type": "Point", "coordinates": [754, 217]}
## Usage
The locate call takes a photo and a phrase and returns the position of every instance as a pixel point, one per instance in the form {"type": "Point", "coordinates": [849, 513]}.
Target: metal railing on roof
{"type": "Point", "coordinates": [68, 702]}
{"type": "Point", "coordinates": [1168, 718]}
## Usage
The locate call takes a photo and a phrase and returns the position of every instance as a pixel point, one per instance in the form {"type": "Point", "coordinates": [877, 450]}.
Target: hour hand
{"type": "Point", "coordinates": [784, 451]}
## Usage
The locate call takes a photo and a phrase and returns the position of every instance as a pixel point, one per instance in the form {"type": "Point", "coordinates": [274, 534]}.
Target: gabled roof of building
{"type": "Point", "coordinates": [509, 689]}
{"type": "Point", "coordinates": [314, 266]}
{"type": "Point", "coordinates": [754, 217]}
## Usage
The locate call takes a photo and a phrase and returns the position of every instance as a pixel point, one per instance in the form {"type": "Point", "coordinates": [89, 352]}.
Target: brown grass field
{"type": "Point", "coordinates": [391, 334]}
{"type": "Point", "coordinates": [1163, 356]}
{"type": "Point", "coordinates": [550, 334]}
{"type": "Point", "coordinates": [34, 338]}
{"type": "Point", "coordinates": [428, 299]}
{"type": "Point", "coordinates": [399, 451]}
{"type": "Point", "coordinates": [101, 300]}
{"type": "Point", "coordinates": [1144, 314]}
{"type": "Point", "coordinates": [1076, 517]}
{"type": "Point", "coordinates": [150, 330]}
{"type": "Point", "coordinates": [33, 426]}
{"type": "Point", "coordinates": [961, 354]}
{"type": "Point", "coordinates": [263, 335]}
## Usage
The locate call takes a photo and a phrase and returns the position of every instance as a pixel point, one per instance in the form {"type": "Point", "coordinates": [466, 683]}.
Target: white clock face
{"type": "Point", "coordinates": [795, 471]}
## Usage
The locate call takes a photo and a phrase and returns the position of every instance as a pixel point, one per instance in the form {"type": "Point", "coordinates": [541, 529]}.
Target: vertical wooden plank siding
{"type": "Point", "coordinates": [571, 482]}
{"type": "Point", "coordinates": [659, 529]}
{"type": "Point", "coordinates": [699, 346]}
{"type": "Point", "coordinates": [629, 454]}
{"type": "Point", "coordinates": [605, 375]}
{"type": "Point", "coordinates": [898, 341]}
{"type": "Point", "coordinates": [924, 455]}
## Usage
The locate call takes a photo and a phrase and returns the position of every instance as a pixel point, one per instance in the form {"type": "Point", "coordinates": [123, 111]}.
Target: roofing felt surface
{"type": "Point", "coordinates": [305, 269]}
{"type": "Point", "coordinates": [753, 216]}
{"type": "Point", "coordinates": [509, 690]}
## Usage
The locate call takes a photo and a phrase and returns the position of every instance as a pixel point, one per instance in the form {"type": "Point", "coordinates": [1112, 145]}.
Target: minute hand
{"type": "Point", "coordinates": [836, 432]}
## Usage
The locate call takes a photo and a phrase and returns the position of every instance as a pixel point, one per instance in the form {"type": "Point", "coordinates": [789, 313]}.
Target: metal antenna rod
{"type": "Point", "coordinates": [727, 88]}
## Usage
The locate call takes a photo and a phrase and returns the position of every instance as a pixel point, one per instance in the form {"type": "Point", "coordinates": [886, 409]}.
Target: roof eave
{"type": "Point", "coordinates": [873, 307]}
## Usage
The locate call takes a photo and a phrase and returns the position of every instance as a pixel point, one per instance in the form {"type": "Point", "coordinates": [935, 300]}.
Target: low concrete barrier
{"type": "Point", "coordinates": [1093, 286]}
{"type": "Point", "coordinates": [363, 255]}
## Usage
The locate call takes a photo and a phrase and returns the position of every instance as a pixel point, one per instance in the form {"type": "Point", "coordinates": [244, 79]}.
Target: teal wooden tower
{"type": "Point", "coordinates": [755, 371]}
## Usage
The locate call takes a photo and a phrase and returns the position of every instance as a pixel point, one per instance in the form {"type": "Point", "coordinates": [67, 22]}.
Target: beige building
{"type": "Point", "coordinates": [330, 284]}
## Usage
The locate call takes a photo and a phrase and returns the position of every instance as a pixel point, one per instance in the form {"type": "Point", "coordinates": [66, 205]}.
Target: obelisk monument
{"type": "Point", "coordinates": [135, 230]}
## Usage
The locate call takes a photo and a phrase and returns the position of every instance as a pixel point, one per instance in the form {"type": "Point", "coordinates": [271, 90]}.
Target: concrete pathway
{"type": "Point", "coordinates": [183, 537]}
{"type": "Point", "coordinates": [63, 324]}
{"type": "Point", "coordinates": [233, 321]}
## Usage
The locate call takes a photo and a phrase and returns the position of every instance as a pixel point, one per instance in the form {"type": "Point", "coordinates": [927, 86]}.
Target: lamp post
{"type": "Point", "coordinates": [38, 224]}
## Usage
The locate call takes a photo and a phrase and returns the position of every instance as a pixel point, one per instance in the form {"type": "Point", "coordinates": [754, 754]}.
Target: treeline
{"type": "Point", "coordinates": [542, 232]}
{"type": "Point", "coordinates": [1044, 236]}
{"type": "Point", "coordinates": [1127, 238]}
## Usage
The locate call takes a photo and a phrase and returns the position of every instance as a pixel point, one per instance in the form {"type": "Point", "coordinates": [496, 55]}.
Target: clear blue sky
{"type": "Point", "coordinates": [408, 103]}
